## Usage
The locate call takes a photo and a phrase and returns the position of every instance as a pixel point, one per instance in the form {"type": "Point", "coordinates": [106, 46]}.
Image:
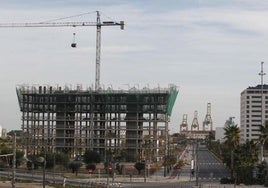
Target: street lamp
{"type": "Point", "coordinates": [42, 160]}
{"type": "Point", "coordinates": [14, 161]}
{"type": "Point", "coordinates": [262, 74]}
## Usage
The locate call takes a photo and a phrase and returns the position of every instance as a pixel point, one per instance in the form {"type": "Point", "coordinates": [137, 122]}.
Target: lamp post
{"type": "Point", "coordinates": [42, 160]}
{"type": "Point", "coordinates": [262, 74]}
{"type": "Point", "coordinates": [14, 161]}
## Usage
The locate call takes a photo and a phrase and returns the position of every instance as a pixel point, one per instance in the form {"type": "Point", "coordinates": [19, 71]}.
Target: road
{"type": "Point", "coordinates": [210, 171]}
{"type": "Point", "coordinates": [209, 168]}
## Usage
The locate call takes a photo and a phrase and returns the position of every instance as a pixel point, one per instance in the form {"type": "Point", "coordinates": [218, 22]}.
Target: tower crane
{"type": "Point", "coordinates": [98, 25]}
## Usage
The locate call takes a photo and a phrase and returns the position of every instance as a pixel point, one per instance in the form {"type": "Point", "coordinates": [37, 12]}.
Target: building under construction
{"type": "Point", "coordinates": [57, 119]}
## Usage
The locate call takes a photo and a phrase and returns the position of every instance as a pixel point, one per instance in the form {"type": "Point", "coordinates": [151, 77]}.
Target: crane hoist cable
{"type": "Point", "coordinates": [73, 45]}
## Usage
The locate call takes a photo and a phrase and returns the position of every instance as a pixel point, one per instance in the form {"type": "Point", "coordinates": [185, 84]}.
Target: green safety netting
{"type": "Point", "coordinates": [171, 101]}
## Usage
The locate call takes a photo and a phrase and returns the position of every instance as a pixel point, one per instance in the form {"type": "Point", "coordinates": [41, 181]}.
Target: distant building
{"type": "Point", "coordinates": [19, 134]}
{"type": "Point", "coordinates": [108, 121]}
{"type": "Point", "coordinates": [219, 134]}
{"type": "Point", "coordinates": [3, 132]}
{"type": "Point", "coordinates": [199, 135]}
{"type": "Point", "coordinates": [253, 102]}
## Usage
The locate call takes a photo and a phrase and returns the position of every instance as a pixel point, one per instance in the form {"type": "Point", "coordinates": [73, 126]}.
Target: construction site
{"type": "Point", "coordinates": [125, 122]}
{"type": "Point", "coordinates": [131, 123]}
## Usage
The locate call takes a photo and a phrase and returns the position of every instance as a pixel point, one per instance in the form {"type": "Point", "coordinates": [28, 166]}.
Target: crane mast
{"type": "Point", "coordinates": [98, 24]}
{"type": "Point", "coordinates": [98, 51]}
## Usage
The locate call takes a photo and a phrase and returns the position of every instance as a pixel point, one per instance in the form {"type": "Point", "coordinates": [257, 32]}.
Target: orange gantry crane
{"type": "Point", "coordinates": [98, 25]}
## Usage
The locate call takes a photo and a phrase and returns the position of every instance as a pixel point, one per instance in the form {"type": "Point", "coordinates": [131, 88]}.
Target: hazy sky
{"type": "Point", "coordinates": [210, 49]}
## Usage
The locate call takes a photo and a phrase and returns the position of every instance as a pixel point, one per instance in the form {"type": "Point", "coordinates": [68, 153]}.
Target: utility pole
{"type": "Point", "coordinates": [262, 122]}
{"type": "Point", "coordinates": [196, 164]}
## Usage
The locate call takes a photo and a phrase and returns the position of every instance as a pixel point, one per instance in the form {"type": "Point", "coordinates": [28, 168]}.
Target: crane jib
{"type": "Point", "coordinates": [60, 24]}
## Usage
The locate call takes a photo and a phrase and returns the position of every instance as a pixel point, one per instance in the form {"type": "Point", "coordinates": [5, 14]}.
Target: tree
{"type": "Point", "coordinates": [108, 167]}
{"type": "Point", "coordinates": [248, 153]}
{"type": "Point", "coordinates": [62, 159]}
{"type": "Point", "coordinates": [91, 156]}
{"type": "Point", "coordinates": [263, 136]}
{"type": "Point", "coordinates": [50, 161]}
{"type": "Point", "coordinates": [119, 168]}
{"type": "Point", "coordinates": [170, 160]}
{"type": "Point", "coordinates": [139, 166]}
{"type": "Point", "coordinates": [262, 173]}
{"type": "Point", "coordinates": [179, 164]}
{"type": "Point", "coordinates": [246, 156]}
{"type": "Point", "coordinates": [91, 168]}
{"type": "Point", "coordinates": [75, 166]}
{"type": "Point", "coordinates": [9, 150]}
{"type": "Point", "coordinates": [232, 136]}
{"type": "Point", "coordinates": [19, 156]}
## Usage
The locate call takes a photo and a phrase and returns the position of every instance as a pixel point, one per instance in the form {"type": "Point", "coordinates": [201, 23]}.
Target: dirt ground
{"type": "Point", "coordinates": [7, 184]}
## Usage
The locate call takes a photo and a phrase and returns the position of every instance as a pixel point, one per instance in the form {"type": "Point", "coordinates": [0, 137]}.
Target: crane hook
{"type": "Point", "coordinates": [73, 45]}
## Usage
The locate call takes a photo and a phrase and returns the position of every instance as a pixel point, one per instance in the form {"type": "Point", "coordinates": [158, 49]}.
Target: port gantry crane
{"type": "Point", "coordinates": [98, 25]}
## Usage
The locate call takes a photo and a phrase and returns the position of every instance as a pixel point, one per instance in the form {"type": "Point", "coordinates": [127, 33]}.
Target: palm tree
{"type": "Point", "coordinates": [247, 156]}
{"type": "Point", "coordinates": [248, 153]}
{"type": "Point", "coordinates": [232, 138]}
{"type": "Point", "coordinates": [232, 135]}
{"type": "Point", "coordinates": [263, 137]}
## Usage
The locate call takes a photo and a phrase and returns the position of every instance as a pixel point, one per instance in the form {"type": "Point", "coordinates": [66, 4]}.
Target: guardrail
{"type": "Point", "coordinates": [58, 179]}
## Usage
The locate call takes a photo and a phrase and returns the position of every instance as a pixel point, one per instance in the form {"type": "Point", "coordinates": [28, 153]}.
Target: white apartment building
{"type": "Point", "coordinates": [253, 103]}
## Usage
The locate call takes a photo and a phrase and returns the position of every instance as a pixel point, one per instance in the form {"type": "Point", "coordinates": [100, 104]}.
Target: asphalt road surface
{"type": "Point", "coordinates": [209, 168]}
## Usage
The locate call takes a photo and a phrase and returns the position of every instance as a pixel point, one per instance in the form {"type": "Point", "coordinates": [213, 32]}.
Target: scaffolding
{"type": "Point", "coordinates": [125, 122]}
